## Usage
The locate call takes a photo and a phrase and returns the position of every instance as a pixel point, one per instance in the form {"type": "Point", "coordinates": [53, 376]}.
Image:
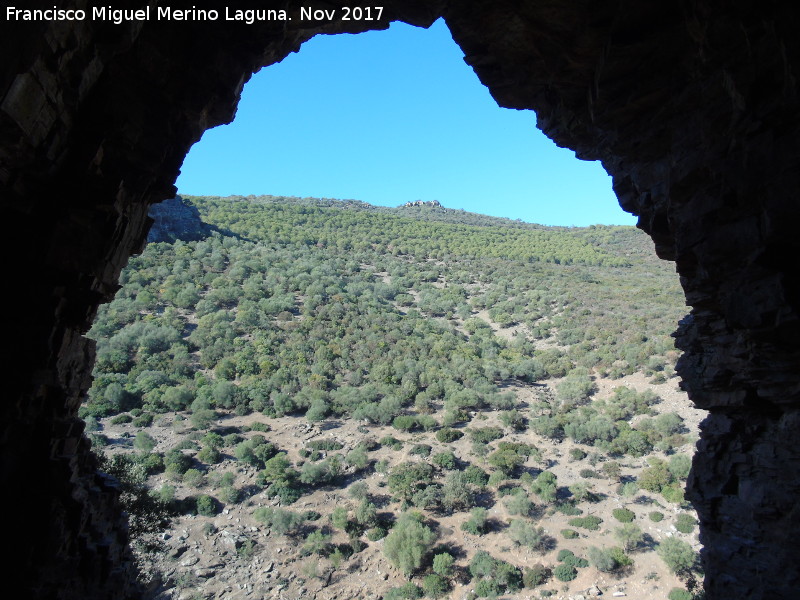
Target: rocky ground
{"type": "Point", "coordinates": [231, 555]}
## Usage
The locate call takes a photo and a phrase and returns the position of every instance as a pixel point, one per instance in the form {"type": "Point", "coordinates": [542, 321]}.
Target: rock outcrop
{"type": "Point", "coordinates": [692, 108]}
{"type": "Point", "coordinates": [175, 219]}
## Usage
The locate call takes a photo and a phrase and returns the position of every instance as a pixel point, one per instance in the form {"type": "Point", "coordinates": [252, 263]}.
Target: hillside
{"type": "Point", "coordinates": [333, 399]}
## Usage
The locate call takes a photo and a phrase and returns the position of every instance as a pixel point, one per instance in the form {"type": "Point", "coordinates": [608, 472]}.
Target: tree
{"type": "Point", "coordinates": [677, 554]}
{"type": "Point", "coordinates": [408, 543]}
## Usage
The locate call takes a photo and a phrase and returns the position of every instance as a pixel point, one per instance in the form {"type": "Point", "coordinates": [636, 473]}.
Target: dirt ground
{"type": "Point", "coordinates": [202, 562]}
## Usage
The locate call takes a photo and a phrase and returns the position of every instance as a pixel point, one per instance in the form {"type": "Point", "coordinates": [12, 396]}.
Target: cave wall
{"type": "Point", "coordinates": [691, 106]}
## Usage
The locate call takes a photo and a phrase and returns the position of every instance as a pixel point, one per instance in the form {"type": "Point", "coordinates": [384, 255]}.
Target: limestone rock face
{"type": "Point", "coordinates": [691, 107]}
{"type": "Point", "coordinates": [175, 219]}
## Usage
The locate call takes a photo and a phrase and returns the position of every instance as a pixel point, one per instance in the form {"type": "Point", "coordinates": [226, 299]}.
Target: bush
{"type": "Point", "coordinates": [408, 543]}
{"type": "Point", "coordinates": [485, 435]}
{"type": "Point", "coordinates": [476, 476]}
{"type": "Point", "coordinates": [376, 533]}
{"type": "Point", "coordinates": [407, 478]}
{"type": "Point", "coordinates": [629, 535]}
{"type": "Point", "coordinates": [569, 558]}
{"type": "Point", "coordinates": [677, 555]}
{"type": "Point", "coordinates": [423, 450]}
{"type": "Point", "coordinates": [656, 516]}
{"type": "Point", "coordinates": [576, 454]}
{"type": "Point", "coordinates": [623, 515]}
{"type": "Point", "coordinates": [435, 586]}
{"type": "Point", "coordinates": [407, 591]}
{"type": "Point", "coordinates": [448, 435]}
{"type": "Point", "coordinates": [476, 525]}
{"type": "Point", "coordinates": [685, 523]}
{"type": "Point", "coordinates": [482, 564]}
{"type": "Point", "coordinates": [591, 522]}
{"type": "Point", "coordinates": [280, 521]}
{"type": "Point", "coordinates": [443, 564]}
{"type": "Point", "coordinates": [487, 588]}
{"type": "Point", "coordinates": [524, 533]}
{"type": "Point", "coordinates": [206, 506]}
{"type": "Point", "coordinates": [445, 460]}
{"type": "Point", "coordinates": [519, 504]}
{"type": "Point", "coordinates": [209, 455]}
{"type": "Point", "coordinates": [565, 572]}
{"type": "Point", "coordinates": [230, 495]}
{"type": "Point", "coordinates": [569, 534]}
{"type": "Point", "coordinates": [679, 594]}
{"type": "Point", "coordinates": [534, 576]}
{"type": "Point", "coordinates": [602, 559]}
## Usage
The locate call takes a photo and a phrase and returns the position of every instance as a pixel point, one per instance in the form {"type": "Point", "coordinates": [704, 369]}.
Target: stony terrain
{"type": "Point", "coordinates": [211, 557]}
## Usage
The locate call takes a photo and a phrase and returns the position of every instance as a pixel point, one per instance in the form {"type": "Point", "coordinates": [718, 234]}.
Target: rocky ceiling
{"type": "Point", "coordinates": [691, 105]}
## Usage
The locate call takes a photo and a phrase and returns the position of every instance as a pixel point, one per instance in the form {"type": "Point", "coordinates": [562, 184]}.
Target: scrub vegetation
{"type": "Point", "coordinates": [459, 401]}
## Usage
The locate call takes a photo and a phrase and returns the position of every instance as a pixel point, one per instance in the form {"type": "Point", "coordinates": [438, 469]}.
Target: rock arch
{"type": "Point", "coordinates": [691, 106]}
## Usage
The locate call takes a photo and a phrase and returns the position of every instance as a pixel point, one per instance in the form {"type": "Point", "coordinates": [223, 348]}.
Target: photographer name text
{"type": "Point", "coordinates": [167, 13]}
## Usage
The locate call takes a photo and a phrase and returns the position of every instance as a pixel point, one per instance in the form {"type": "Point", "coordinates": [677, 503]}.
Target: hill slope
{"type": "Point", "coordinates": [418, 357]}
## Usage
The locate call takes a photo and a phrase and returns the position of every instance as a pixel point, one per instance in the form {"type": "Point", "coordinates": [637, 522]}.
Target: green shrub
{"type": "Point", "coordinates": [376, 533]}
{"type": "Point", "coordinates": [476, 525]}
{"type": "Point", "coordinates": [484, 435]}
{"type": "Point", "coordinates": [524, 533]}
{"type": "Point", "coordinates": [407, 591]}
{"type": "Point", "coordinates": [443, 564]}
{"type": "Point", "coordinates": [209, 455]}
{"type": "Point", "coordinates": [325, 445]}
{"type": "Point", "coordinates": [568, 558]}
{"type": "Point", "coordinates": [569, 534]}
{"type": "Point", "coordinates": [408, 543]}
{"type": "Point", "coordinates": [487, 588]}
{"type": "Point", "coordinates": [623, 515]}
{"type": "Point", "coordinates": [685, 523]}
{"type": "Point", "coordinates": [677, 555]}
{"type": "Point", "coordinates": [590, 522]}
{"type": "Point", "coordinates": [535, 576]}
{"type": "Point", "coordinates": [565, 572]}
{"type": "Point", "coordinates": [656, 516]}
{"type": "Point", "coordinates": [144, 420]}
{"type": "Point", "coordinates": [405, 422]}
{"type": "Point", "coordinates": [423, 450]}
{"type": "Point", "coordinates": [435, 586]}
{"type": "Point", "coordinates": [447, 435]}
{"type": "Point", "coordinates": [193, 478]}
{"type": "Point", "coordinates": [206, 506]}
{"type": "Point", "coordinates": [445, 460]}
{"type": "Point", "coordinates": [476, 476]}
{"type": "Point", "coordinates": [679, 594]}
{"type": "Point", "coordinates": [230, 495]}
{"type": "Point", "coordinates": [391, 442]}
{"type": "Point", "coordinates": [279, 520]}
{"type": "Point", "coordinates": [576, 454]}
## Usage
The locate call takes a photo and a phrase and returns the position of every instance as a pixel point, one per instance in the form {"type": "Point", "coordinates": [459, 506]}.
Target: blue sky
{"type": "Point", "coordinates": [392, 116]}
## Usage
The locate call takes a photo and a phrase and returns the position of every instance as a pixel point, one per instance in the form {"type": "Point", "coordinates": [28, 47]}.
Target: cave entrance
{"type": "Point", "coordinates": [189, 398]}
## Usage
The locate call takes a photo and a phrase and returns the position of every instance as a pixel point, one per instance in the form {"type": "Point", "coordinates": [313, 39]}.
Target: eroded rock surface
{"type": "Point", "coordinates": [692, 107]}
